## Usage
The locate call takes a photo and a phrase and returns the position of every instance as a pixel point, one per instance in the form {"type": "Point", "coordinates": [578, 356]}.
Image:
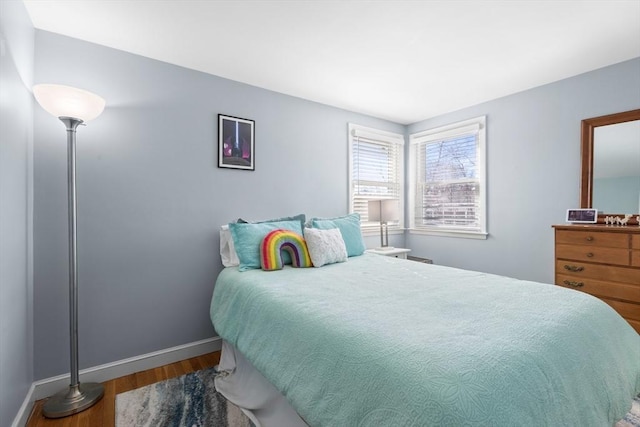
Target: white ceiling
{"type": "Point", "coordinates": [403, 61]}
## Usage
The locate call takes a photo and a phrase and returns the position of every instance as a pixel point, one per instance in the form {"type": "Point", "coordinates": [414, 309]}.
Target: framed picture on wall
{"type": "Point", "coordinates": [236, 143]}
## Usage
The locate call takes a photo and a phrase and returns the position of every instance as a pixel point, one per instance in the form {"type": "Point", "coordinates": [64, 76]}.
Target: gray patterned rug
{"type": "Point", "coordinates": [187, 401]}
{"type": "Point", "coordinates": [192, 401]}
{"type": "Point", "coordinates": [632, 419]}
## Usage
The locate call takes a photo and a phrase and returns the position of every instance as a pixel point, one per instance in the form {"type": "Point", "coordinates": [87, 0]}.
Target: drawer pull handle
{"type": "Point", "coordinates": [574, 284]}
{"type": "Point", "coordinates": [573, 268]}
{"type": "Point", "coordinates": [590, 239]}
{"type": "Point", "coordinates": [590, 254]}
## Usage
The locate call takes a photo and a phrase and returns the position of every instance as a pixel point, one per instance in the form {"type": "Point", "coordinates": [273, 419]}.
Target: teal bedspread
{"type": "Point", "coordinates": [378, 341]}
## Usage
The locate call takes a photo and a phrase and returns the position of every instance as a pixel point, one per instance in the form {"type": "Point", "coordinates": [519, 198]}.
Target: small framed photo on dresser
{"type": "Point", "coordinates": [582, 216]}
{"type": "Point", "coordinates": [236, 143]}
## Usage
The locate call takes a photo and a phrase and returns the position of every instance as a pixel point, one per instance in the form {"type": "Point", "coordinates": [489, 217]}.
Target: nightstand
{"type": "Point", "coordinates": [394, 252]}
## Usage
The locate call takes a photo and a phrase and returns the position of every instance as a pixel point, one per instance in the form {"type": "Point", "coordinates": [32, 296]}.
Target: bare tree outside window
{"type": "Point", "coordinates": [450, 188]}
{"type": "Point", "coordinates": [449, 179]}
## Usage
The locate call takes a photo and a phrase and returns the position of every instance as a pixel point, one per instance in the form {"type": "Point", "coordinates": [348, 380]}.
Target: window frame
{"type": "Point", "coordinates": [371, 228]}
{"type": "Point", "coordinates": [475, 125]}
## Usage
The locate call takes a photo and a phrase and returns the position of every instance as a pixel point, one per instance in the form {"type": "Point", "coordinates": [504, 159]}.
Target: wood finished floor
{"type": "Point", "coordinates": [103, 413]}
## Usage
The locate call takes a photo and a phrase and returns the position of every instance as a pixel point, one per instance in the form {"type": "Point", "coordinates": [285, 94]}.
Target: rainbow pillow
{"type": "Point", "coordinates": [280, 240]}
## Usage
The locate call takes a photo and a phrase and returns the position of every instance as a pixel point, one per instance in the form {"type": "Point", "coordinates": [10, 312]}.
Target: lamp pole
{"type": "Point", "coordinates": [77, 397]}
{"type": "Point", "coordinates": [72, 124]}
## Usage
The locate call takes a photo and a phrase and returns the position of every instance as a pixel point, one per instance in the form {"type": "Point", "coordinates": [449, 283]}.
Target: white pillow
{"type": "Point", "coordinates": [325, 246]}
{"type": "Point", "coordinates": [227, 250]}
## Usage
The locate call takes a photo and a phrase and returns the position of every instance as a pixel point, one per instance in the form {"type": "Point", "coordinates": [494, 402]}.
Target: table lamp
{"type": "Point", "coordinates": [384, 211]}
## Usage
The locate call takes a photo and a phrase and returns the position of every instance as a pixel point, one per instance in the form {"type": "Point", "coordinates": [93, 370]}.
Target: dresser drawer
{"type": "Point", "coordinates": [588, 238]}
{"type": "Point", "coordinates": [577, 270]}
{"type": "Point", "coordinates": [603, 255]}
{"type": "Point", "coordinates": [601, 288]}
{"type": "Point", "coordinates": [635, 253]}
{"type": "Point", "coordinates": [625, 309]}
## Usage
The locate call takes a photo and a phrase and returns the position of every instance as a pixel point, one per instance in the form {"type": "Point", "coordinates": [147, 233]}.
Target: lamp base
{"type": "Point", "coordinates": [385, 248]}
{"type": "Point", "coordinates": [73, 400]}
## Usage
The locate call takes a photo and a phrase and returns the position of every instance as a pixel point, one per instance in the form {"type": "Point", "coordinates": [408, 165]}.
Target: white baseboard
{"type": "Point", "coordinates": [25, 410]}
{"type": "Point", "coordinates": [109, 371]}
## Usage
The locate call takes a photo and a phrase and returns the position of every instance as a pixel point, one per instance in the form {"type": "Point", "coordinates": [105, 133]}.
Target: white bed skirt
{"type": "Point", "coordinates": [244, 386]}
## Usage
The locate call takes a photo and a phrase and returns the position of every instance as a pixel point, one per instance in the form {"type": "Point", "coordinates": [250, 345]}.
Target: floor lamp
{"type": "Point", "coordinates": [73, 107]}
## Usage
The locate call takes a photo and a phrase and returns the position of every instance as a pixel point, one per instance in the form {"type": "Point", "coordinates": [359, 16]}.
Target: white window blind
{"type": "Point", "coordinates": [449, 185]}
{"type": "Point", "coordinates": [376, 172]}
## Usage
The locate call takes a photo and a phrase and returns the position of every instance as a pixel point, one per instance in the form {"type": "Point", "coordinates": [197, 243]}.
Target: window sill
{"type": "Point", "coordinates": [451, 233]}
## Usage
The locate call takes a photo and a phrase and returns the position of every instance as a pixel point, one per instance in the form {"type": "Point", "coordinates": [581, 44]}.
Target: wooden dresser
{"type": "Point", "coordinates": [603, 261]}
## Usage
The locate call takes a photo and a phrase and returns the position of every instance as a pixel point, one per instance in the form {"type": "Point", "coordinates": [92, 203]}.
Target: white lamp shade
{"type": "Point", "coordinates": [384, 210]}
{"type": "Point", "coordinates": [66, 101]}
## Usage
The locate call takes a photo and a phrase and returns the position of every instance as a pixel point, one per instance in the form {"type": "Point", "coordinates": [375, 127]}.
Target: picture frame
{"type": "Point", "coordinates": [236, 143]}
{"type": "Point", "coordinates": [582, 216]}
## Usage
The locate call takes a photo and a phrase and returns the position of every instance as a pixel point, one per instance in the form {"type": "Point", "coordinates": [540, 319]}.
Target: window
{"type": "Point", "coordinates": [376, 172]}
{"type": "Point", "coordinates": [448, 180]}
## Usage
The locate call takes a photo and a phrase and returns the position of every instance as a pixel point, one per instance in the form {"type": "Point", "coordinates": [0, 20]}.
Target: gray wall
{"type": "Point", "coordinates": [151, 197]}
{"type": "Point", "coordinates": [16, 146]}
{"type": "Point", "coordinates": [533, 162]}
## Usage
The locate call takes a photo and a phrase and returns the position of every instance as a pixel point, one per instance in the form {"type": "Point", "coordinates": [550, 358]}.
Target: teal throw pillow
{"type": "Point", "coordinates": [247, 238]}
{"type": "Point", "coordinates": [349, 226]}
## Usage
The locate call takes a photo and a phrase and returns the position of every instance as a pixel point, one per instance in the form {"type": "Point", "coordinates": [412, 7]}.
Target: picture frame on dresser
{"type": "Point", "coordinates": [587, 216]}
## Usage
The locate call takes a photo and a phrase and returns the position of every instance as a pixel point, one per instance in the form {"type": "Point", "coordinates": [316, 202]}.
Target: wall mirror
{"type": "Point", "coordinates": [611, 164]}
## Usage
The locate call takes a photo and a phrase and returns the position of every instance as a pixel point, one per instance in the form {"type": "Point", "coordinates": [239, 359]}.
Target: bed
{"type": "Point", "coordinates": [380, 341]}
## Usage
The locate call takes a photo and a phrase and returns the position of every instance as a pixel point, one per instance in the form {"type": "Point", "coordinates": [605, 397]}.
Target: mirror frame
{"type": "Point", "coordinates": [586, 182]}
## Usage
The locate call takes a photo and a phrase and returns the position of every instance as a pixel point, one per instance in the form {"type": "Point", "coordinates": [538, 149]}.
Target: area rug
{"type": "Point", "coordinates": [632, 419]}
{"type": "Point", "coordinates": [192, 401]}
{"type": "Point", "coordinates": [187, 401]}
